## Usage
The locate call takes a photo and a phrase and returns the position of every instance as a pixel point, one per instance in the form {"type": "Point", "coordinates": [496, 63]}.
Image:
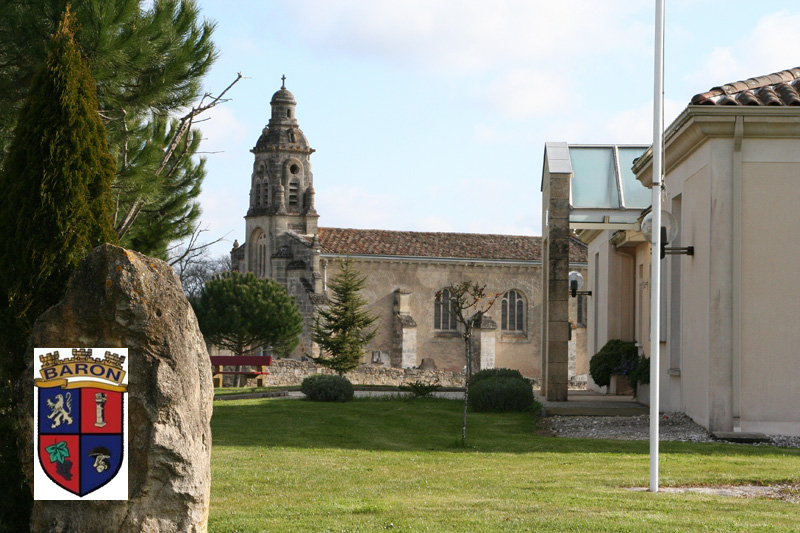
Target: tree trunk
{"type": "Point", "coordinates": [467, 377]}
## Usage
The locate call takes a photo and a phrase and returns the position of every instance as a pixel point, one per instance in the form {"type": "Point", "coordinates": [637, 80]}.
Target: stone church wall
{"type": "Point", "coordinates": [288, 372]}
{"type": "Point", "coordinates": [422, 279]}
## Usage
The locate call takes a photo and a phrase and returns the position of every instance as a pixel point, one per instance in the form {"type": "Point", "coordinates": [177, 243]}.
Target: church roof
{"type": "Point", "coordinates": [346, 241]}
{"type": "Point", "coordinates": [778, 89]}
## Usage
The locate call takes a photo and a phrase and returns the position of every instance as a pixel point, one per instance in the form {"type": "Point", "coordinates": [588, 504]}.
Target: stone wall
{"type": "Point", "coordinates": [289, 372]}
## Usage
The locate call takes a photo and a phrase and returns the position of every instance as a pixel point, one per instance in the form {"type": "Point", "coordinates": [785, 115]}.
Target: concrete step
{"type": "Point", "coordinates": [738, 436]}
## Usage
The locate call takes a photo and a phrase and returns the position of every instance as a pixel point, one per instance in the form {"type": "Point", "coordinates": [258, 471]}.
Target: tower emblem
{"type": "Point", "coordinates": [81, 424]}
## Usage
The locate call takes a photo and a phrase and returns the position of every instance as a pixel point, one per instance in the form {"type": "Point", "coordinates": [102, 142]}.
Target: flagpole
{"type": "Point", "coordinates": [655, 270]}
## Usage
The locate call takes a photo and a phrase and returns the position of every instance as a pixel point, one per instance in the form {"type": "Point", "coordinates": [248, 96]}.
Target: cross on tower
{"type": "Point", "coordinates": [283, 81]}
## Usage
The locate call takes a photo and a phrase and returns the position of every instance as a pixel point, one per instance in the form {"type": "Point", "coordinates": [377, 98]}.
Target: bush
{"type": "Point", "coordinates": [325, 388]}
{"type": "Point", "coordinates": [501, 395]}
{"type": "Point", "coordinates": [420, 389]}
{"type": "Point", "coordinates": [615, 358]}
{"type": "Point", "coordinates": [495, 373]}
{"type": "Point", "coordinates": [640, 374]}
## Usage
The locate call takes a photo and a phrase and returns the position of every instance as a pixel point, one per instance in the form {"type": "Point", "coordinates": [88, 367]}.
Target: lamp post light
{"type": "Point", "coordinates": [576, 284]}
{"type": "Point", "coordinates": [669, 230]}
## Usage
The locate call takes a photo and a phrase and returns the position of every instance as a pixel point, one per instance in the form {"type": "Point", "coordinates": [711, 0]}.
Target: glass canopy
{"type": "Point", "coordinates": [604, 190]}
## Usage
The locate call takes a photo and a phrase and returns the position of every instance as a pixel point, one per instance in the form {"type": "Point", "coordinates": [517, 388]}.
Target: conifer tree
{"type": "Point", "coordinates": [57, 186]}
{"type": "Point", "coordinates": [240, 312]}
{"type": "Point", "coordinates": [149, 60]}
{"type": "Point", "coordinates": [342, 330]}
{"type": "Point", "coordinates": [57, 201]}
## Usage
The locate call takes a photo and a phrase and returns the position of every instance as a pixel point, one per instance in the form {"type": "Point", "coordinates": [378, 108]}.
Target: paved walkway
{"type": "Point", "coordinates": [591, 403]}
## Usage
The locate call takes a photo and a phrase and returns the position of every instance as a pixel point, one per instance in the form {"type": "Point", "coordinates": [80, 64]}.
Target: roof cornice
{"type": "Point", "coordinates": [699, 122]}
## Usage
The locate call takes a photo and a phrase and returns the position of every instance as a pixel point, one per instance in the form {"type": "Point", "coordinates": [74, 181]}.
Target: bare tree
{"type": "Point", "coordinates": [467, 302]}
{"type": "Point", "coordinates": [194, 266]}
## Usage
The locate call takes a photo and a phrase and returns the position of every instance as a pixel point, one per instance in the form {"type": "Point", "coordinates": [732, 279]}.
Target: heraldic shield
{"type": "Point", "coordinates": [80, 437]}
{"type": "Point", "coordinates": [81, 423]}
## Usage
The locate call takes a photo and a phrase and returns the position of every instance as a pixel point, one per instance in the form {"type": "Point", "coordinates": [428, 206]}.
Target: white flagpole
{"type": "Point", "coordinates": [655, 271]}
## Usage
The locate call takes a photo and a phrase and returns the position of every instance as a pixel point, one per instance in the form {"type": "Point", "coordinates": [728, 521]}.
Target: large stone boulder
{"type": "Point", "coordinates": [119, 298]}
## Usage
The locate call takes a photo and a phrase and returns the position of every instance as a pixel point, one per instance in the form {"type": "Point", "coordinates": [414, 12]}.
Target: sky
{"type": "Point", "coordinates": [432, 115]}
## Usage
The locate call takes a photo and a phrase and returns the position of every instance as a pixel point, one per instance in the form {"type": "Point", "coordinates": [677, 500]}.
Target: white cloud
{"type": "Point", "coordinates": [467, 35]}
{"type": "Point", "coordinates": [770, 47]}
{"type": "Point", "coordinates": [526, 93]}
{"type": "Point", "coordinates": [432, 223]}
{"type": "Point", "coordinates": [223, 131]}
{"type": "Point", "coordinates": [354, 207]}
{"type": "Point", "coordinates": [635, 126]}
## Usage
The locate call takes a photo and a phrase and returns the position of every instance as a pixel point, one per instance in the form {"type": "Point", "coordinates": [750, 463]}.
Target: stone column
{"type": "Point", "coordinates": [404, 334]}
{"type": "Point", "coordinates": [483, 341]}
{"type": "Point", "coordinates": [555, 270]}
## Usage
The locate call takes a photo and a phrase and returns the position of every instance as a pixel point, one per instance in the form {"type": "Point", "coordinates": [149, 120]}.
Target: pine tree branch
{"type": "Point", "coordinates": [184, 126]}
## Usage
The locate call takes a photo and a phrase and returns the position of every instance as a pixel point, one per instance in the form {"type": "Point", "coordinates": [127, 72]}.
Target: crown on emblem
{"type": "Point", "coordinates": [50, 359]}
{"type": "Point", "coordinates": [82, 355]}
{"type": "Point", "coordinates": [114, 360]}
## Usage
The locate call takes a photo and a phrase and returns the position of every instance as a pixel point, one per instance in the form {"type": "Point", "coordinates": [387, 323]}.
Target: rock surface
{"type": "Point", "coordinates": [119, 298]}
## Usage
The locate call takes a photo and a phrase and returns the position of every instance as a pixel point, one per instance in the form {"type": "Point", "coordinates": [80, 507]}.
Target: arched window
{"type": "Point", "coordinates": [294, 194]}
{"type": "Point", "coordinates": [257, 194]}
{"type": "Point", "coordinates": [261, 255]}
{"type": "Point", "coordinates": [443, 318]}
{"type": "Point", "coordinates": [512, 312]}
{"type": "Point", "coordinates": [265, 193]}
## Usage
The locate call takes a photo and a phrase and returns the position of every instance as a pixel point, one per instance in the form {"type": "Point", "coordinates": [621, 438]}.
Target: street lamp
{"type": "Point", "coordinates": [669, 230]}
{"type": "Point", "coordinates": [576, 283]}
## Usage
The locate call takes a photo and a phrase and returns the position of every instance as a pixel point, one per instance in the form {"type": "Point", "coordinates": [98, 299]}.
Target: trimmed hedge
{"type": "Point", "coordinates": [500, 395]}
{"type": "Point", "coordinates": [326, 388]}
{"type": "Point", "coordinates": [495, 373]}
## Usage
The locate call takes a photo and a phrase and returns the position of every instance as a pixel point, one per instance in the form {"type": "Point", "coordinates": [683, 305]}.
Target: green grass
{"type": "Point", "coordinates": [369, 465]}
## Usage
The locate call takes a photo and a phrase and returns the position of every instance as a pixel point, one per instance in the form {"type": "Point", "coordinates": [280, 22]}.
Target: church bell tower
{"type": "Point", "coordinates": [281, 188]}
{"type": "Point", "coordinates": [281, 221]}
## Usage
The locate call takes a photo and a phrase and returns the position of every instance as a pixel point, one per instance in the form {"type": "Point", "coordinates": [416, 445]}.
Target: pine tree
{"type": "Point", "coordinates": [342, 330]}
{"type": "Point", "coordinates": [148, 61]}
{"type": "Point", "coordinates": [56, 207]}
{"type": "Point", "coordinates": [240, 312]}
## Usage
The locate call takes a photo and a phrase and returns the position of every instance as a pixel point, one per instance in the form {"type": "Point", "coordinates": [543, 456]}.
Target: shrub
{"type": "Point", "coordinates": [325, 388]}
{"type": "Point", "coordinates": [640, 374]}
{"type": "Point", "coordinates": [615, 358]}
{"type": "Point", "coordinates": [500, 395]}
{"type": "Point", "coordinates": [420, 389]}
{"type": "Point", "coordinates": [495, 373]}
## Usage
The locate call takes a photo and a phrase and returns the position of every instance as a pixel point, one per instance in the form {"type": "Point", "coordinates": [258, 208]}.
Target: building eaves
{"type": "Point", "coordinates": [777, 89]}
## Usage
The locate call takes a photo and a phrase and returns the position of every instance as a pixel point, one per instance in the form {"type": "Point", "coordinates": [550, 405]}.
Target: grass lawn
{"type": "Point", "coordinates": [374, 464]}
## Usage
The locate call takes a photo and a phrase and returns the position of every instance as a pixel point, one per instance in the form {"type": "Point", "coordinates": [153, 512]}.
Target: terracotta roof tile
{"type": "Point", "coordinates": [347, 241]}
{"type": "Point", "coordinates": [778, 89]}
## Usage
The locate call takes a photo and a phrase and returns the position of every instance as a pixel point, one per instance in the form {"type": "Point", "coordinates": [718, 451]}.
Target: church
{"type": "Point", "coordinates": [404, 269]}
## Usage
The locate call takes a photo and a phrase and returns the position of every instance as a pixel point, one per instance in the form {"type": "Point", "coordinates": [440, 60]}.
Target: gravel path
{"type": "Point", "coordinates": [672, 427]}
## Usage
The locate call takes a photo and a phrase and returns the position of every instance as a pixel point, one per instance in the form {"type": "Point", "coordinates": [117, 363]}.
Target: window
{"type": "Point", "coordinates": [443, 319]}
{"type": "Point", "coordinates": [257, 195]}
{"type": "Point", "coordinates": [294, 193]}
{"type": "Point", "coordinates": [261, 261]}
{"type": "Point", "coordinates": [265, 193]}
{"type": "Point", "coordinates": [512, 310]}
